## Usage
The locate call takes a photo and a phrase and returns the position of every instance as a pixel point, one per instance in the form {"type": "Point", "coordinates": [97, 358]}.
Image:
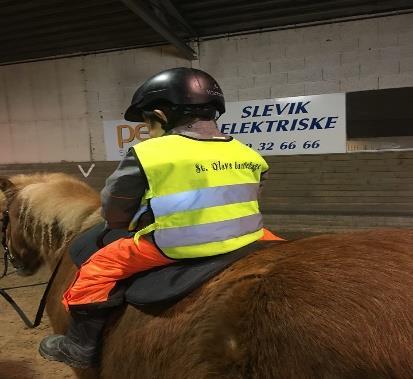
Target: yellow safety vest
{"type": "Point", "coordinates": [203, 195]}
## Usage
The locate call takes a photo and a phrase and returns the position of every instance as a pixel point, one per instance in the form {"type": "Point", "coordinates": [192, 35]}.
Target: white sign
{"type": "Point", "coordinates": [292, 125]}
{"type": "Point", "coordinates": [120, 135]}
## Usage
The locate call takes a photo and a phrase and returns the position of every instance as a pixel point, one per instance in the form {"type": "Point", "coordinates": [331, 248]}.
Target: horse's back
{"type": "Point", "coordinates": [334, 306]}
{"type": "Point", "coordinates": [341, 307]}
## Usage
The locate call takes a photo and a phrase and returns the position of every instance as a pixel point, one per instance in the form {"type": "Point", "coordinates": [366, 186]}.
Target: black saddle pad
{"type": "Point", "coordinates": [164, 284]}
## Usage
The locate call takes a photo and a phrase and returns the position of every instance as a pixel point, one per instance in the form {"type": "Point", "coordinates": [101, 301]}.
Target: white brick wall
{"type": "Point", "coordinates": [342, 57]}
{"type": "Point", "coordinates": [54, 110]}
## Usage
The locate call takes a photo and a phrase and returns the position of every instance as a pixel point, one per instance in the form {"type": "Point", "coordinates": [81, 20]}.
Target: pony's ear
{"type": "Point", "coordinates": [6, 184]}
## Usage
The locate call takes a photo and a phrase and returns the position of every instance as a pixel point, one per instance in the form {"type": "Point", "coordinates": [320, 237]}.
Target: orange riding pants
{"type": "Point", "coordinates": [119, 260]}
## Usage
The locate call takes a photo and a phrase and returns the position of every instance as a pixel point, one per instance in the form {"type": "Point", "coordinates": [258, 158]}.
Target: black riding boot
{"type": "Point", "coordinates": [79, 347]}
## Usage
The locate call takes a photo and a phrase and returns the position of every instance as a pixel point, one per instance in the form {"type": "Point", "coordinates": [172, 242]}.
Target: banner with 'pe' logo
{"type": "Point", "coordinates": [120, 135]}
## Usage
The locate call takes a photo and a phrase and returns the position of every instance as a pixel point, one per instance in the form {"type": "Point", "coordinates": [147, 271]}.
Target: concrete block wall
{"type": "Point", "coordinates": [43, 112]}
{"type": "Point", "coordinates": [336, 192]}
{"type": "Point", "coordinates": [341, 57]}
{"type": "Point", "coordinates": [53, 111]}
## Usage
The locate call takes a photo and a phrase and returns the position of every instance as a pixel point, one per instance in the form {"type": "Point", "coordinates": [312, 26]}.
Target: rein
{"type": "Point", "coordinates": [8, 256]}
{"type": "Point", "coordinates": [42, 304]}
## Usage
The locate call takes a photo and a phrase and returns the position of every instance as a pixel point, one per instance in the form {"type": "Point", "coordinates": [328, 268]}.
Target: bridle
{"type": "Point", "coordinates": [10, 257]}
{"type": "Point", "coordinates": [6, 244]}
{"type": "Point", "coordinates": [5, 223]}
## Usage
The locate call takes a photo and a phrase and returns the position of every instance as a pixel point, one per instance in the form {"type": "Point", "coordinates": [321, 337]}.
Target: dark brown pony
{"type": "Point", "coordinates": [332, 306]}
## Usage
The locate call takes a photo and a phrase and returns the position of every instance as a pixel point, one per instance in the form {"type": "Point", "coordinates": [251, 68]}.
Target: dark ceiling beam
{"type": "Point", "coordinates": [253, 12]}
{"type": "Point", "coordinates": [294, 16]}
{"type": "Point", "coordinates": [86, 33]}
{"type": "Point", "coordinates": [35, 8]}
{"type": "Point", "coordinates": [33, 32]}
{"type": "Point", "coordinates": [140, 9]}
{"type": "Point", "coordinates": [29, 21]}
{"type": "Point", "coordinates": [172, 11]}
{"type": "Point", "coordinates": [71, 46]}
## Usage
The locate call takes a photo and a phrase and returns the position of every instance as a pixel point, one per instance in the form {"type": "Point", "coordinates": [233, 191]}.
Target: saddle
{"type": "Point", "coordinates": [166, 284]}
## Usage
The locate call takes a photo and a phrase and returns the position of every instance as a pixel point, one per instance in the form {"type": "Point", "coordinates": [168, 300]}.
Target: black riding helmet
{"type": "Point", "coordinates": [182, 87]}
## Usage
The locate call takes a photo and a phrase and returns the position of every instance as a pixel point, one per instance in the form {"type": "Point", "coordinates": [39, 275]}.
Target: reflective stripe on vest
{"type": "Point", "coordinates": [204, 198]}
{"type": "Point", "coordinates": [214, 231]}
{"type": "Point", "coordinates": [204, 201]}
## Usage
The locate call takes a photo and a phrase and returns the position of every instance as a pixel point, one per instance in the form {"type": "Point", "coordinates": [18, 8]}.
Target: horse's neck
{"type": "Point", "coordinates": [51, 239]}
{"type": "Point", "coordinates": [46, 240]}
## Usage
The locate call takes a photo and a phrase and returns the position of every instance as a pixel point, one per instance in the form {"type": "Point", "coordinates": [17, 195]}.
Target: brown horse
{"type": "Point", "coordinates": [332, 306]}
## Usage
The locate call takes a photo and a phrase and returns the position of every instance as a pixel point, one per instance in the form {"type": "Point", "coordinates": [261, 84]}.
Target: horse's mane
{"type": "Point", "coordinates": [23, 180]}
{"type": "Point", "coordinates": [2, 201]}
{"type": "Point", "coordinates": [55, 205]}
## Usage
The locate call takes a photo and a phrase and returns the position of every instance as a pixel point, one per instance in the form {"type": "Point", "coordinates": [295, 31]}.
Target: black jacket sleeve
{"type": "Point", "coordinates": [122, 194]}
{"type": "Point", "coordinates": [263, 178]}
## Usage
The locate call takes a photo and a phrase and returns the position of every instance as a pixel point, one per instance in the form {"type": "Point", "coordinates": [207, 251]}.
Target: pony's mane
{"type": "Point", "coordinates": [2, 201]}
{"type": "Point", "coordinates": [23, 180]}
{"type": "Point", "coordinates": [51, 204]}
